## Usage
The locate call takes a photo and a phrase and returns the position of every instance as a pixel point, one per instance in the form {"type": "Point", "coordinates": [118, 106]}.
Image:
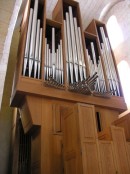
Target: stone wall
{"type": "Point", "coordinates": [8, 15]}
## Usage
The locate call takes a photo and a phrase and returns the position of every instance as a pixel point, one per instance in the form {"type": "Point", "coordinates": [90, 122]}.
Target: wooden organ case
{"type": "Point", "coordinates": [68, 92]}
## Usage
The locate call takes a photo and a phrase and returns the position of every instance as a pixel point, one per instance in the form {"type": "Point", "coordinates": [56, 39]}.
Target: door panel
{"type": "Point", "coordinates": [71, 143]}
{"type": "Point", "coordinates": [120, 149]}
{"type": "Point", "coordinates": [87, 122]}
{"type": "Point", "coordinates": [90, 158]}
{"type": "Point", "coordinates": [107, 157]}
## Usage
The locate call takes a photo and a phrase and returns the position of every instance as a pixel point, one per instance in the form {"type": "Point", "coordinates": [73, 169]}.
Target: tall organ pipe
{"type": "Point", "coordinates": [53, 53]}
{"type": "Point", "coordinates": [39, 53]}
{"type": "Point", "coordinates": [45, 61]}
{"type": "Point", "coordinates": [26, 54]}
{"type": "Point", "coordinates": [66, 51]}
{"type": "Point", "coordinates": [74, 51]}
{"type": "Point", "coordinates": [33, 37]}
{"type": "Point", "coordinates": [37, 48]}
{"type": "Point", "coordinates": [82, 54]}
{"type": "Point", "coordinates": [78, 50]}
{"type": "Point", "coordinates": [69, 48]}
{"type": "Point", "coordinates": [62, 75]}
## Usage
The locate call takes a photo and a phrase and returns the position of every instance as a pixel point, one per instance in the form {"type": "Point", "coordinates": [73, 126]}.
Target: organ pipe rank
{"type": "Point", "coordinates": [109, 64]}
{"type": "Point", "coordinates": [32, 56]}
{"type": "Point", "coordinates": [96, 67]}
{"type": "Point", "coordinates": [77, 78]}
{"type": "Point", "coordinates": [53, 59]}
{"type": "Point", "coordinates": [75, 64]}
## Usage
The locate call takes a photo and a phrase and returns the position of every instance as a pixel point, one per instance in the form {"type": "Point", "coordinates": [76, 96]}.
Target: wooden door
{"type": "Point", "coordinates": [88, 134]}
{"type": "Point", "coordinates": [80, 140]}
{"type": "Point", "coordinates": [71, 142]}
{"type": "Point", "coordinates": [119, 142]}
{"type": "Point", "coordinates": [107, 158]}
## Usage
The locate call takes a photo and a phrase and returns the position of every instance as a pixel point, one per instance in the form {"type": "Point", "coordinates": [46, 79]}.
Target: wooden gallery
{"type": "Point", "coordinates": [68, 96]}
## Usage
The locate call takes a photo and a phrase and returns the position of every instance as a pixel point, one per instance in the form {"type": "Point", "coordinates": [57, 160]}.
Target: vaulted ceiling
{"type": "Point", "coordinates": [89, 9]}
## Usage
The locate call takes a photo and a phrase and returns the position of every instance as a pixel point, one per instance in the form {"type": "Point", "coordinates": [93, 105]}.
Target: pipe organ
{"type": "Point", "coordinates": [68, 91]}
{"type": "Point", "coordinates": [62, 57]}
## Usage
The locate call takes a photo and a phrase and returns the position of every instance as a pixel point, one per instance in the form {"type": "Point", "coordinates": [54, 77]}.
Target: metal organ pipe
{"type": "Point", "coordinates": [33, 38]}
{"type": "Point", "coordinates": [96, 67]}
{"type": "Point", "coordinates": [62, 75]}
{"type": "Point", "coordinates": [66, 51]}
{"type": "Point", "coordinates": [69, 48]}
{"type": "Point", "coordinates": [82, 54]}
{"type": "Point", "coordinates": [95, 64]}
{"type": "Point", "coordinates": [53, 53]}
{"type": "Point", "coordinates": [74, 51]}
{"type": "Point", "coordinates": [39, 53]}
{"type": "Point", "coordinates": [57, 71]}
{"type": "Point", "coordinates": [45, 60]}
{"type": "Point", "coordinates": [78, 49]}
{"type": "Point", "coordinates": [106, 60]}
{"type": "Point", "coordinates": [33, 34]}
{"type": "Point", "coordinates": [49, 62]}
{"type": "Point", "coordinates": [37, 48]}
{"type": "Point", "coordinates": [113, 67]}
{"type": "Point", "coordinates": [26, 54]}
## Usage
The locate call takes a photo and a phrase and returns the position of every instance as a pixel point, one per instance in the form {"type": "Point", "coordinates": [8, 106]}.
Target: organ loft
{"type": "Point", "coordinates": [68, 96]}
